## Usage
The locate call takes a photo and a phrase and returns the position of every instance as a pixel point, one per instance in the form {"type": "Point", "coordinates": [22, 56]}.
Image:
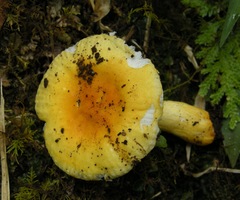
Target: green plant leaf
{"type": "Point", "coordinates": [231, 141]}
{"type": "Point", "coordinates": [222, 77]}
{"type": "Point", "coordinates": [161, 142]}
{"type": "Point", "coordinates": [231, 19]}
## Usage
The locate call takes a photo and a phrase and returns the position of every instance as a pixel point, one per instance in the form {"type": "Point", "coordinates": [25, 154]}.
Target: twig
{"type": "Point", "coordinates": [147, 34]}
{"type": "Point", "coordinates": [188, 151]}
{"type": "Point", "coordinates": [208, 170]}
{"type": "Point", "coordinates": [156, 195]}
{"type": "Point", "coordinates": [5, 190]}
{"type": "Point", "coordinates": [182, 84]}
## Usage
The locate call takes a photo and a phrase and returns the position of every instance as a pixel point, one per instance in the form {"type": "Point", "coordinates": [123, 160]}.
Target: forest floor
{"type": "Point", "coordinates": [34, 32]}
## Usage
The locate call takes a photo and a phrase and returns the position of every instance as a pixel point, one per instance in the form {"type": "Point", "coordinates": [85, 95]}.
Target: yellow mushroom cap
{"type": "Point", "coordinates": [101, 103]}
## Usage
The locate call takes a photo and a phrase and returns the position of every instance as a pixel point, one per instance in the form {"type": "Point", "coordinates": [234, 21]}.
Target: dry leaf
{"type": "Point", "coordinates": [3, 6]}
{"type": "Point", "coordinates": [191, 57]}
{"type": "Point", "coordinates": [3, 76]}
{"type": "Point", "coordinates": [100, 8]}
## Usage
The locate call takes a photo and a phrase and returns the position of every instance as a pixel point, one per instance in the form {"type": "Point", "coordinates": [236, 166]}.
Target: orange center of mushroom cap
{"type": "Point", "coordinates": [97, 105]}
{"type": "Point", "coordinates": [101, 104]}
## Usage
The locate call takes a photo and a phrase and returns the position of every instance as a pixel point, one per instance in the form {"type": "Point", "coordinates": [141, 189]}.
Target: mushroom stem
{"type": "Point", "coordinates": [188, 122]}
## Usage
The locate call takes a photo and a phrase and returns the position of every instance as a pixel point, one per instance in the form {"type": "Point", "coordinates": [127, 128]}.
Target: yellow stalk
{"type": "Point", "coordinates": [188, 122]}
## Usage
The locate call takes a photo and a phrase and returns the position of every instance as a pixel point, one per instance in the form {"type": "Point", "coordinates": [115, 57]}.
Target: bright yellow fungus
{"type": "Point", "coordinates": [101, 103]}
{"type": "Point", "coordinates": [103, 106]}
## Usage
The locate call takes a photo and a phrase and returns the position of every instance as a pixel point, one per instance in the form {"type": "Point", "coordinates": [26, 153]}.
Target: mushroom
{"type": "Point", "coordinates": [188, 122]}
{"type": "Point", "coordinates": [102, 104]}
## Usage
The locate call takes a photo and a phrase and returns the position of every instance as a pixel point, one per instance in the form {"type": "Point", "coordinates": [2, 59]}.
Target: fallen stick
{"type": "Point", "coordinates": [208, 170]}
{"type": "Point", "coordinates": [5, 190]}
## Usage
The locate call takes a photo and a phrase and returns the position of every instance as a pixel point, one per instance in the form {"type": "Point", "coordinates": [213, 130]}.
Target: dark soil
{"type": "Point", "coordinates": [34, 32]}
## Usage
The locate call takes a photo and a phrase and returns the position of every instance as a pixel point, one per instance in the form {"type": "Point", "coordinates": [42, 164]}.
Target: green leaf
{"type": "Point", "coordinates": [222, 77]}
{"type": "Point", "coordinates": [231, 141]}
{"type": "Point", "coordinates": [161, 142]}
{"type": "Point", "coordinates": [203, 7]}
{"type": "Point", "coordinates": [231, 19]}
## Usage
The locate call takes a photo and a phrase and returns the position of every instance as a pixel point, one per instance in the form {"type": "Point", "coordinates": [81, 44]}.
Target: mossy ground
{"type": "Point", "coordinates": [34, 32]}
